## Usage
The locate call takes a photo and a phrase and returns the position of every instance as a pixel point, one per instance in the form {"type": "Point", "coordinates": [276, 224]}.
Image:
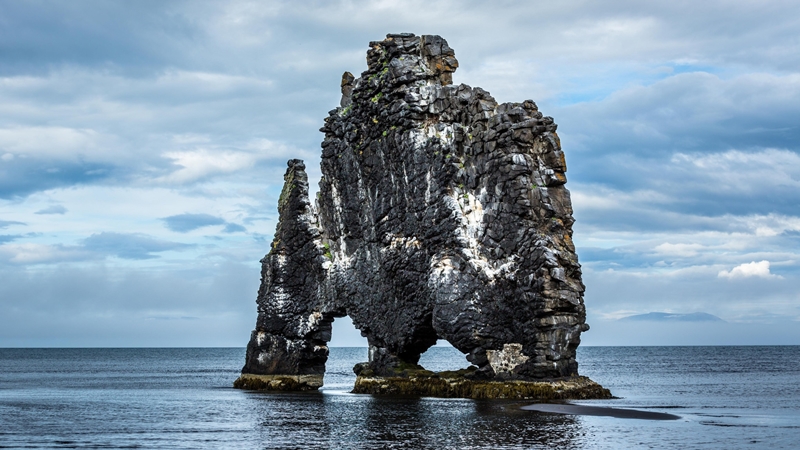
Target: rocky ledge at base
{"type": "Point", "coordinates": [256, 382]}
{"type": "Point", "coordinates": [441, 214]}
{"type": "Point", "coordinates": [448, 386]}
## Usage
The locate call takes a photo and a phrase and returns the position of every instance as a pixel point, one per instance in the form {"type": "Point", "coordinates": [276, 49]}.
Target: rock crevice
{"type": "Point", "coordinates": [441, 215]}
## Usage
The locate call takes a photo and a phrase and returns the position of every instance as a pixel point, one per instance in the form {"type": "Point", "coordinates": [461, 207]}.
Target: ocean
{"type": "Point", "coordinates": [726, 397]}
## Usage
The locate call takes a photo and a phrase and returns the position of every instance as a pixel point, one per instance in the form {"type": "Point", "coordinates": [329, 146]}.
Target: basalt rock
{"type": "Point", "coordinates": [441, 214]}
{"type": "Point", "coordinates": [448, 386]}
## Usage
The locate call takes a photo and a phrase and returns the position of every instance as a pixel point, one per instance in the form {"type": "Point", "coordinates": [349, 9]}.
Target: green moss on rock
{"type": "Point", "coordinates": [450, 385]}
{"type": "Point", "coordinates": [253, 382]}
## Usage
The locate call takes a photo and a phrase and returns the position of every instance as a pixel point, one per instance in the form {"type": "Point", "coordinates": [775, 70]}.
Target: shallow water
{"type": "Point", "coordinates": [727, 397]}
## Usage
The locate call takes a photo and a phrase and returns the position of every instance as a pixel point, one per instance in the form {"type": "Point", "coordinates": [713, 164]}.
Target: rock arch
{"type": "Point", "coordinates": [441, 215]}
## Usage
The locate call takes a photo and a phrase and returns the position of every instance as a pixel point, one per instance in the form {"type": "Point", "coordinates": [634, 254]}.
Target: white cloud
{"type": "Point", "coordinates": [30, 253]}
{"type": "Point", "coordinates": [198, 164]}
{"type": "Point", "coordinates": [56, 143]}
{"type": "Point", "coordinates": [770, 224]}
{"type": "Point", "coordinates": [752, 269]}
{"type": "Point", "coordinates": [618, 314]}
{"type": "Point", "coordinates": [684, 250]}
{"type": "Point", "coordinates": [600, 197]}
{"type": "Point", "coordinates": [739, 171]}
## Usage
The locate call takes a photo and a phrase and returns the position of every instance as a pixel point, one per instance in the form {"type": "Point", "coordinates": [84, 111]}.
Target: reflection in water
{"type": "Point", "coordinates": [729, 397]}
{"type": "Point", "coordinates": [338, 420]}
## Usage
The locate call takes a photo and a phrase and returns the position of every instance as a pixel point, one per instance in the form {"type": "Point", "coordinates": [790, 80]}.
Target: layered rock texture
{"type": "Point", "coordinates": [441, 214]}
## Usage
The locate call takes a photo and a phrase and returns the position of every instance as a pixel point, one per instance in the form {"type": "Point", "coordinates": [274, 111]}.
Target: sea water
{"type": "Point", "coordinates": [726, 397]}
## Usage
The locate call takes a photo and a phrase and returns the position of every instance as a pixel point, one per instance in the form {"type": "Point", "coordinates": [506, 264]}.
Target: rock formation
{"type": "Point", "coordinates": [441, 214]}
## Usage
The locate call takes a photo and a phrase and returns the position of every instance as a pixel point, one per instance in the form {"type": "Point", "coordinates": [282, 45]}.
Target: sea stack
{"type": "Point", "coordinates": [441, 214]}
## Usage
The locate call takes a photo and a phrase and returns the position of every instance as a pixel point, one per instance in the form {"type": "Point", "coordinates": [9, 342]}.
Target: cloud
{"type": "Point", "coordinates": [234, 228]}
{"type": "Point", "coordinates": [78, 126]}
{"type": "Point", "coordinates": [98, 305]}
{"type": "Point", "coordinates": [41, 157]}
{"type": "Point", "coordinates": [100, 246]}
{"type": "Point", "coordinates": [24, 176]}
{"type": "Point", "coordinates": [713, 191]}
{"type": "Point", "coordinates": [139, 38]}
{"type": "Point", "coordinates": [130, 246]}
{"type": "Point", "coordinates": [679, 130]}
{"type": "Point", "coordinates": [755, 181]}
{"type": "Point", "coordinates": [782, 331]}
{"type": "Point", "coordinates": [183, 223]}
{"type": "Point", "coordinates": [752, 269]}
{"type": "Point", "coordinates": [27, 253]}
{"type": "Point", "coordinates": [199, 164]}
{"type": "Point", "coordinates": [683, 250]}
{"type": "Point", "coordinates": [195, 165]}
{"type": "Point", "coordinates": [8, 223]}
{"type": "Point", "coordinates": [54, 209]}
{"type": "Point", "coordinates": [706, 144]}
{"type": "Point", "coordinates": [55, 143]}
{"type": "Point", "coordinates": [623, 291]}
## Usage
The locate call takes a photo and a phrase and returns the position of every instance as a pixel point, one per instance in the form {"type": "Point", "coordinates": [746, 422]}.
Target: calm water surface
{"type": "Point", "coordinates": [727, 397]}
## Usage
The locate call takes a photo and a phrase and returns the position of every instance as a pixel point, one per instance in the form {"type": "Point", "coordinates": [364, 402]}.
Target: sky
{"type": "Point", "coordinates": [143, 144]}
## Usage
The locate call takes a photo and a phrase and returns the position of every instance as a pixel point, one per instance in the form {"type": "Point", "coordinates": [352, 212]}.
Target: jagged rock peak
{"type": "Point", "coordinates": [441, 215]}
{"type": "Point", "coordinates": [404, 58]}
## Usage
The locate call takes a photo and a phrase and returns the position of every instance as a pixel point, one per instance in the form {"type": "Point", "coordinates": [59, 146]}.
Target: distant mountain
{"type": "Point", "coordinates": [670, 317]}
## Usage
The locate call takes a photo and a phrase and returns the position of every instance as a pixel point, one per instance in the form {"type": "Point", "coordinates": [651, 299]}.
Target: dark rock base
{"type": "Point", "coordinates": [572, 388]}
{"type": "Point", "coordinates": [253, 382]}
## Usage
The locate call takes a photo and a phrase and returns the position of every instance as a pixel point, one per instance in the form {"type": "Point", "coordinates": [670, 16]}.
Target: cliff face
{"type": "Point", "coordinates": [441, 215]}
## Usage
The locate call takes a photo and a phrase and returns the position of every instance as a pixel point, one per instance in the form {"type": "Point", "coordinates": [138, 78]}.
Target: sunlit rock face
{"type": "Point", "coordinates": [441, 215]}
